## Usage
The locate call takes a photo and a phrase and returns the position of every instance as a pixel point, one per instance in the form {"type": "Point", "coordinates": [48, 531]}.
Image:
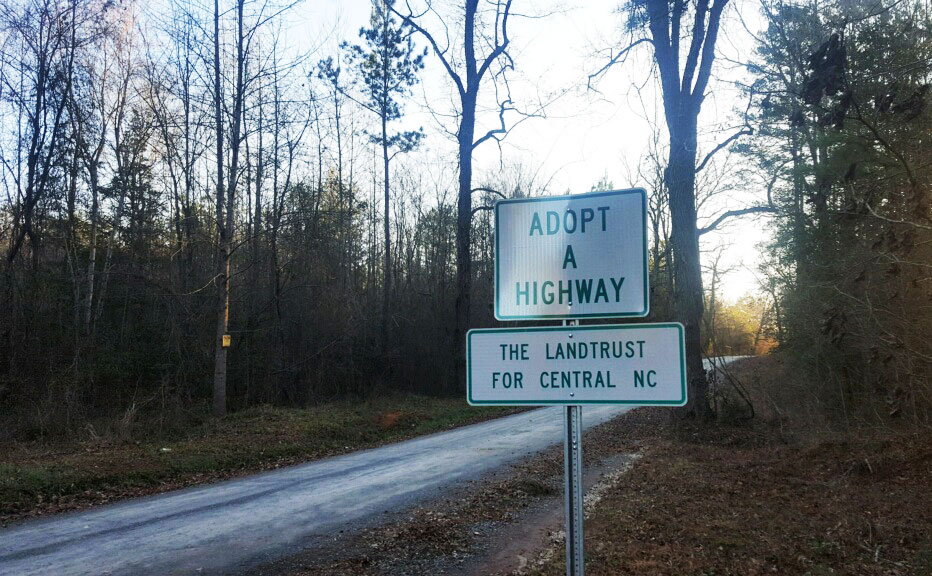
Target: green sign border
{"type": "Point", "coordinates": [676, 325]}
{"type": "Point", "coordinates": [639, 314]}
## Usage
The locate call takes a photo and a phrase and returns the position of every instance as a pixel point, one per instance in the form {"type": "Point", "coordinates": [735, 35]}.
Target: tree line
{"type": "Point", "coordinates": [843, 129]}
{"type": "Point", "coordinates": [188, 202]}
{"type": "Point", "coordinates": [195, 214]}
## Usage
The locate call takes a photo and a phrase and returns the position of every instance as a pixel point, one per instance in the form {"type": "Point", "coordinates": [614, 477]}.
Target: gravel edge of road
{"type": "Point", "coordinates": [454, 534]}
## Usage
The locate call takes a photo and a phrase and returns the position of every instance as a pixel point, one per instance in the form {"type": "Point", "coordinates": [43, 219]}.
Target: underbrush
{"type": "Point", "coordinates": [779, 393]}
{"type": "Point", "coordinates": [803, 488]}
{"type": "Point", "coordinates": [112, 462]}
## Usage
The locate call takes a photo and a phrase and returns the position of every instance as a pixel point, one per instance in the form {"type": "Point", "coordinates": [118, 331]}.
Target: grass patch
{"type": "Point", "coordinates": [40, 477]}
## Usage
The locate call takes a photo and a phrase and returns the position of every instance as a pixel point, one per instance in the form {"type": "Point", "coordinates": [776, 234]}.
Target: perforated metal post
{"type": "Point", "coordinates": [574, 491]}
{"type": "Point", "coordinates": [572, 459]}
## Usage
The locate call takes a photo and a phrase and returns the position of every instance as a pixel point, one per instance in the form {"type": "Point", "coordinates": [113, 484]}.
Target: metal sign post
{"type": "Point", "coordinates": [572, 458]}
{"type": "Point", "coordinates": [573, 486]}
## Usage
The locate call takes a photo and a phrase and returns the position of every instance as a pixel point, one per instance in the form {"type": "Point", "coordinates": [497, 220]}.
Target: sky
{"type": "Point", "coordinates": [584, 135]}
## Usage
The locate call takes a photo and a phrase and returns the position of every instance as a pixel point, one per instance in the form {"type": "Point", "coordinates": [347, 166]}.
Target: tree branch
{"type": "Point", "coordinates": [708, 49]}
{"type": "Point", "coordinates": [495, 131]}
{"type": "Point", "coordinates": [622, 54]}
{"type": "Point", "coordinates": [410, 20]}
{"type": "Point", "coordinates": [769, 208]}
{"type": "Point", "coordinates": [490, 191]}
{"type": "Point", "coordinates": [733, 214]}
{"type": "Point", "coordinates": [745, 131]}
{"type": "Point", "coordinates": [499, 48]}
{"type": "Point", "coordinates": [695, 45]}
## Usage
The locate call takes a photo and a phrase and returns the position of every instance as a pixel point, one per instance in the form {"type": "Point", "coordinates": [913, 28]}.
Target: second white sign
{"type": "Point", "coordinates": [643, 364]}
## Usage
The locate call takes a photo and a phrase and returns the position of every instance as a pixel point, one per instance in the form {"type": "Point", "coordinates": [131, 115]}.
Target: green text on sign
{"type": "Point", "coordinates": [640, 364]}
{"type": "Point", "coordinates": [578, 256]}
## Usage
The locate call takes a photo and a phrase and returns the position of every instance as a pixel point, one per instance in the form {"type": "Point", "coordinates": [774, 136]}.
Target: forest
{"type": "Point", "coordinates": [197, 217]}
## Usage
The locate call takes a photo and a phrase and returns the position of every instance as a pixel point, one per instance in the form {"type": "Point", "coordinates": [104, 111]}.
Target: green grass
{"type": "Point", "coordinates": [43, 476]}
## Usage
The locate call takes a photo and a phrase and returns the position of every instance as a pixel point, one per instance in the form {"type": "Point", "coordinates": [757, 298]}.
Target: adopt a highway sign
{"type": "Point", "coordinates": [639, 364]}
{"type": "Point", "coordinates": [577, 256]}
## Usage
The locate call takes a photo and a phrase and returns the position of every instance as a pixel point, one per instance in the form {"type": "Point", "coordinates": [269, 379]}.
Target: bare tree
{"type": "Point", "coordinates": [45, 33]}
{"type": "Point", "coordinates": [387, 66]}
{"type": "Point", "coordinates": [468, 70]}
{"type": "Point", "coordinates": [229, 123]}
{"type": "Point", "coordinates": [95, 112]}
{"type": "Point", "coordinates": [683, 85]}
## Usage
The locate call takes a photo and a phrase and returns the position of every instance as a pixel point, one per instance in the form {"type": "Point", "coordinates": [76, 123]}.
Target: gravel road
{"type": "Point", "coordinates": [231, 525]}
{"type": "Point", "coordinates": [224, 527]}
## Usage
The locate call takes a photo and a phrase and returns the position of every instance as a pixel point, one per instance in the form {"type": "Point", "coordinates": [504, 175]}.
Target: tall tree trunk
{"type": "Point", "coordinates": [350, 198]}
{"type": "Point", "coordinates": [683, 91]}
{"type": "Point", "coordinates": [341, 212]}
{"type": "Point", "coordinates": [188, 172]}
{"type": "Point", "coordinates": [257, 218]}
{"type": "Point", "coordinates": [72, 254]}
{"type": "Point", "coordinates": [465, 138]}
{"type": "Point", "coordinates": [223, 260]}
{"type": "Point", "coordinates": [681, 178]}
{"type": "Point", "coordinates": [235, 143]}
{"type": "Point", "coordinates": [92, 257]}
{"type": "Point", "coordinates": [387, 272]}
{"type": "Point", "coordinates": [467, 82]}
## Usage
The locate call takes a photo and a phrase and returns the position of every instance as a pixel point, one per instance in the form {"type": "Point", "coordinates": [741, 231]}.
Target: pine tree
{"type": "Point", "coordinates": [386, 66]}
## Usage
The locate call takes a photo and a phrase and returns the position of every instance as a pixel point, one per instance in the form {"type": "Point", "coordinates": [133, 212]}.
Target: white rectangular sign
{"type": "Point", "coordinates": [643, 364]}
{"type": "Point", "coordinates": [579, 256]}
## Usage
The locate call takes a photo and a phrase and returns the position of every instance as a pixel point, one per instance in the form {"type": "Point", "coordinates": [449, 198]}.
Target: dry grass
{"type": "Point", "coordinates": [790, 493]}
{"type": "Point", "coordinates": [41, 477]}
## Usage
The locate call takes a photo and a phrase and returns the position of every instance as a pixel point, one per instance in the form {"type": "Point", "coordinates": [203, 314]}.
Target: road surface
{"type": "Point", "coordinates": [227, 526]}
